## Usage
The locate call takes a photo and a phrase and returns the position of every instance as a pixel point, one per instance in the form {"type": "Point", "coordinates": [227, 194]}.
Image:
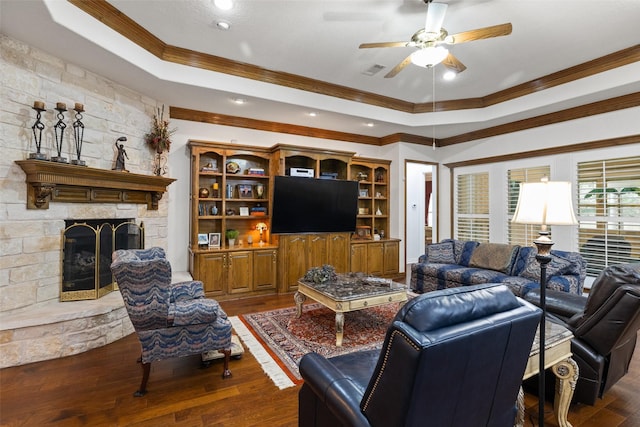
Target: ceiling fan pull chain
{"type": "Point", "coordinates": [433, 107]}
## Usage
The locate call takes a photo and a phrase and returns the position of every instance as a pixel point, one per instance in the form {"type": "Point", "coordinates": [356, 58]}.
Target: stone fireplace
{"type": "Point", "coordinates": [36, 322]}
{"type": "Point", "coordinates": [87, 246]}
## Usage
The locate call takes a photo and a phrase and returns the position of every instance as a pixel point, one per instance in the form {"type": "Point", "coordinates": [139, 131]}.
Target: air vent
{"type": "Point", "coordinates": [373, 70]}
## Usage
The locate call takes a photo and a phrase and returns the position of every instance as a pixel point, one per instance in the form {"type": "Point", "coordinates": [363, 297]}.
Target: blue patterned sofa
{"type": "Point", "coordinates": [453, 263]}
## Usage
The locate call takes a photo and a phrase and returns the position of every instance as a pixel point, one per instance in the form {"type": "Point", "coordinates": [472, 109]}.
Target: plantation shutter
{"type": "Point", "coordinates": [472, 207]}
{"type": "Point", "coordinates": [609, 212]}
{"type": "Point", "coordinates": [522, 234]}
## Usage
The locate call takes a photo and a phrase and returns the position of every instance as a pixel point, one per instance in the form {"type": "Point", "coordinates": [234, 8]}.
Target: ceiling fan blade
{"type": "Point", "coordinates": [480, 33]}
{"type": "Point", "coordinates": [435, 17]}
{"type": "Point", "coordinates": [453, 63]}
{"type": "Point", "coordinates": [398, 67]}
{"type": "Point", "coordinates": [382, 44]}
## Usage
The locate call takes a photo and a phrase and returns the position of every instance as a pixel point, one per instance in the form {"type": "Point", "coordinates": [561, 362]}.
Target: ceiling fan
{"type": "Point", "coordinates": [430, 40]}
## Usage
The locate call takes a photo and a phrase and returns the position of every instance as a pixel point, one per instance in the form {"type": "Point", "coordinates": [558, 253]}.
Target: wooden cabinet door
{"type": "Point", "coordinates": [375, 259]}
{"type": "Point", "coordinates": [211, 271]}
{"type": "Point", "coordinates": [293, 261]}
{"type": "Point", "coordinates": [391, 258]}
{"type": "Point", "coordinates": [318, 250]}
{"type": "Point", "coordinates": [264, 269]}
{"type": "Point", "coordinates": [339, 246]}
{"type": "Point", "coordinates": [359, 258]}
{"type": "Point", "coordinates": [239, 271]}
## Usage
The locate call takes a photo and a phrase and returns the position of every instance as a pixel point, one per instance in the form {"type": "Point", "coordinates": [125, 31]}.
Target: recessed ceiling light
{"type": "Point", "coordinates": [370, 124]}
{"type": "Point", "coordinates": [223, 25]}
{"type": "Point", "coordinates": [313, 114]}
{"type": "Point", "coordinates": [223, 4]}
{"type": "Point", "coordinates": [239, 101]}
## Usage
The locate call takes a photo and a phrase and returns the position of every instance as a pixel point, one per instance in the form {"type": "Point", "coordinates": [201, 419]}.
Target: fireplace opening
{"type": "Point", "coordinates": [87, 246]}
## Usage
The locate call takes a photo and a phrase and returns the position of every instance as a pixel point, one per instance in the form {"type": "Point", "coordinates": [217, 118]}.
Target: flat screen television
{"type": "Point", "coordinates": [308, 205]}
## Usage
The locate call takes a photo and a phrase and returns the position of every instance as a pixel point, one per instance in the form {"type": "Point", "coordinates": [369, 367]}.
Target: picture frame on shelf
{"type": "Point", "coordinates": [244, 211]}
{"type": "Point", "coordinates": [363, 192]}
{"type": "Point", "coordinates": [203, 239]}
{"type": "Point", "coordinates": [363, 232]}
{"type": "Point", "coordinates": [245, 191]}
{"type": "Point", "coordinates": [214, 240]}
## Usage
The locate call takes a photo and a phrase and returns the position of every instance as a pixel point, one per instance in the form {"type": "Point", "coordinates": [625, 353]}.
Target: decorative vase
{"type": "Point", "coordinates": [203, 193]}
{"type": "Point", "coordinates": [159, 163]}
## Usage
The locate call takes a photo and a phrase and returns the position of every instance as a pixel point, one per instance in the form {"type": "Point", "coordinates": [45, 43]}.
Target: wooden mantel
{"type": "Point", "coordinates": [61, 182]}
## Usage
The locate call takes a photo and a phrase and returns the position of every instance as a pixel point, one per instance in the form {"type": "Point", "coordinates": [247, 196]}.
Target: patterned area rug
{"type": "Point", "coordinates": [286, 338]}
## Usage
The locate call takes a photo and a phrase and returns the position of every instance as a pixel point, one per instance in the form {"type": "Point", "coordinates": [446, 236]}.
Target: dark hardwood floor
{"type": "Point", "coordinates": [96, 389]}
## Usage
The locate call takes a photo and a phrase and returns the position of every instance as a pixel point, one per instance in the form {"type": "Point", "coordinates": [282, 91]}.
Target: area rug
{"type": "Point", "coordinates": [281, 339]}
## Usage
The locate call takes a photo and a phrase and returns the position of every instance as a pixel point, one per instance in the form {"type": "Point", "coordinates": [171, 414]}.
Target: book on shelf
{"type": "Point", "coordinates": [255, 171]}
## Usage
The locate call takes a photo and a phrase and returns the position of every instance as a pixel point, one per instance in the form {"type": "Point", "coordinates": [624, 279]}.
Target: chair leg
{"type": "Point", "coordinates": [146, 368]}
{"type": "Point", "coordinates": [226, 373]}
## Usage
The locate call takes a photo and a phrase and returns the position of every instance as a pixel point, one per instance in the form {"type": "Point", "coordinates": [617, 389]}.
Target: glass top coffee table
{"type": "Point", "coordinates": [350, 292]}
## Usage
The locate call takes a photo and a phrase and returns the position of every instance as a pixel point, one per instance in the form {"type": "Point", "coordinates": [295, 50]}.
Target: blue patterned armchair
{"type": "Point", "coordinates": [171, 320]}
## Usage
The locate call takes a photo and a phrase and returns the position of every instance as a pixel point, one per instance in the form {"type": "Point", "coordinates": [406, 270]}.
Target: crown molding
{"type": "Point", "coordinates": [119, 22]}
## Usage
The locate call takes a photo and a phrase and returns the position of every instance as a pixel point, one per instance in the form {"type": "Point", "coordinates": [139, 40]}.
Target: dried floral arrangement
{"type": "Point", "coordinates": [159, 137]}
{"type": "Point", "coordinates": [326, 273]}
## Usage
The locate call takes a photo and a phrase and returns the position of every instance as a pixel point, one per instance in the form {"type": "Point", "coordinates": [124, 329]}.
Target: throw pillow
{"type": "Point", "coordinates": [493, 256]}
{"type": "Point", "coordinates": [441, 253]}
{"type": "Point", "coordinates": [556, 267]}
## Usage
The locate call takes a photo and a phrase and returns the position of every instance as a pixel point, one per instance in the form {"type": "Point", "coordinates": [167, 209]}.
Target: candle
{"type": "Point", "coordinates": [39, 105]}
{"type": "Point", "coordinates": [79, 107]}
{"type": "Point", "coordinates": [61, 106]}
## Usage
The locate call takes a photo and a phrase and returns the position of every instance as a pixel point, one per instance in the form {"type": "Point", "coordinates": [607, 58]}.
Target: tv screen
{"type": "Point", "coordinates": [306, 205]}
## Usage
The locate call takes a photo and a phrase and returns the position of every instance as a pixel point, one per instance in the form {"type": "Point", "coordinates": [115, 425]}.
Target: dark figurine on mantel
{"type": "Point", "coordinates": [121, 155]}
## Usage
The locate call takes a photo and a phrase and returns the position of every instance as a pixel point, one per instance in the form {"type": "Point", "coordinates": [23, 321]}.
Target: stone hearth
{"type": "Point", "coordinates": [54, 329]}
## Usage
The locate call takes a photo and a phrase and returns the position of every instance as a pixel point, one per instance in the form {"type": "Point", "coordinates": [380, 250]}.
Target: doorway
{"type": "Point", "coordinates": [421, 183]}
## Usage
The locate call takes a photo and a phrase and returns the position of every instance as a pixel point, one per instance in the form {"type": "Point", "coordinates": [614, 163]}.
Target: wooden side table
{"type": "Point", "coordinates": [558, 358]}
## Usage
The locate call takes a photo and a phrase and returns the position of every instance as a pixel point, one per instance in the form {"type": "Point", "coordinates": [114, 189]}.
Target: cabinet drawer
{"type": "Point", "coordinates": [378, 300]}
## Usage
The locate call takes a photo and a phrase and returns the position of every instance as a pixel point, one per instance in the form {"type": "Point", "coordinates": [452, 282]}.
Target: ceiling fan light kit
{"type": "Point", "coordinates": [429, 56]}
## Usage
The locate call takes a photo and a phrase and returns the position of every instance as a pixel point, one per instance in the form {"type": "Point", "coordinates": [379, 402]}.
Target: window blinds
{"type": "Point", "coordinates": [521, 234]}
{"type": "Point", "coordinates": [472, 207]}
{"type": "Point", "coordinates": [609, 212]}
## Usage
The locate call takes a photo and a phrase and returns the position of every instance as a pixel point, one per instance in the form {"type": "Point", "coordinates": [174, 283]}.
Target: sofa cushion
{"type": "Point", "coordinates": [441, 253]}
{"type": "Point", "coordinates": [557, 266]}
{"type": "Point", "coordinates": [494, 256]}
{"type": "Point", "coordinates": [462, 249]}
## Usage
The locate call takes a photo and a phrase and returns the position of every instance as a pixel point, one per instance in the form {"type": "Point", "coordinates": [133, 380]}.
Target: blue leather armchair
{"type": "Point", "coordinates": [605, 328]}
{"type": "Point", "coordinates": [171, 320]}
{"type": "Point", "coordinates": [453, 357]}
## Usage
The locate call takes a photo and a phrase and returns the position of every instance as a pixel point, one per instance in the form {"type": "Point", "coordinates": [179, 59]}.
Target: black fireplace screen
{"type": "Point", "coordinates": [87, 247]}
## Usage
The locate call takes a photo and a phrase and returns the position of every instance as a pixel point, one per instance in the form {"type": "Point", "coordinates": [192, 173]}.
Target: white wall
{"type": "Point", "coordinates": [563, 166]}
{"type": "Point", "coordinates": [605, 126]}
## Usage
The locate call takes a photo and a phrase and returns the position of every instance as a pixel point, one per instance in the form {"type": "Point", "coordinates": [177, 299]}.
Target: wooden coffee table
{"type": "Point", "coordinates": [350, 292]}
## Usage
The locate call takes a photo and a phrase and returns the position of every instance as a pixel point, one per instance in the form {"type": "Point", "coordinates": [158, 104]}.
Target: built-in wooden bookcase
{"type": "Point", "coordinates": [232, 188]}
{"type": "Point", "coordinates": [373, 201]}
{"type": "Point", "coordinates": [323, 163]}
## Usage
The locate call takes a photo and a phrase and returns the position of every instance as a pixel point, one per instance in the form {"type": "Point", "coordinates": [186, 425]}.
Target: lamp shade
{"type": "Point", "coordinates": [261, 226]}
{"type": "Point", "coordinates": [546, 202]}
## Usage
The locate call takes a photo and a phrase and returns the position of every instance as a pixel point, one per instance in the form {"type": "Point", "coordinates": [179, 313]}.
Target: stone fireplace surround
{"type": "Point", "coordinates": [53, 329]}
{"type": "Point", "coordinates": [34, 324]}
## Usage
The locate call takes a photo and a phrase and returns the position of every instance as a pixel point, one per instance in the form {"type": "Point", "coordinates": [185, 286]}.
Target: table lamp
{"type": "Point", "coordinates": [544, 203]}
{"type": "Point", "coordinates": [261, 227]}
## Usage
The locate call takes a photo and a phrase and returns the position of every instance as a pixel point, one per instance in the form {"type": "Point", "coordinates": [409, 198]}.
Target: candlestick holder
{"type": "Point", "coordinates": [78, 135]}
{"type": "Point", "coordinates": [37, 128]}
{"type": "Point", "coordinates": [58, 129]}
